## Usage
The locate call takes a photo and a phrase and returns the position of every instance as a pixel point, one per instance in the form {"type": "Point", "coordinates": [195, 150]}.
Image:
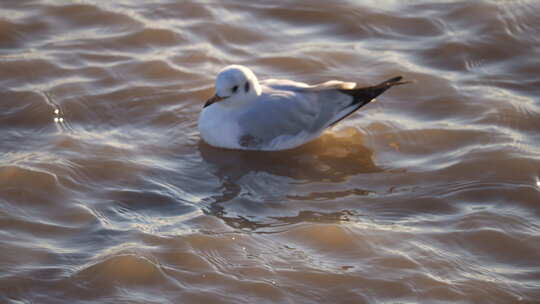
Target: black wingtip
{"type": "Point", "coordinates": [395, 81]}
{"type": "Point", "coordinates": [366, 94]}
{"type": "Point", "coordinates": [362, 96]}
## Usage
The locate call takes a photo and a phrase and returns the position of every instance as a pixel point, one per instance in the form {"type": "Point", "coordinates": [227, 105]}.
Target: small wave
{"type": "Point", "coordinates": [121, 268]}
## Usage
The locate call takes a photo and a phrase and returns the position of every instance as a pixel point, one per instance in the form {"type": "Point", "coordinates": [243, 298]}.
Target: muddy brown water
{"type": "Point", "coordinates": [429, 195]}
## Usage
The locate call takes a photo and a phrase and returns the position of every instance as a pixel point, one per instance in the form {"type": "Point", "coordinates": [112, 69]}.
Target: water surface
{"type": "Point", "coordinates": [429, 195]}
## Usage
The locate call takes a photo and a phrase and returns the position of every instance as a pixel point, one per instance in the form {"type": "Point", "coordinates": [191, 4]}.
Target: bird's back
{"type": "Point", "coordinates": [288, 111]}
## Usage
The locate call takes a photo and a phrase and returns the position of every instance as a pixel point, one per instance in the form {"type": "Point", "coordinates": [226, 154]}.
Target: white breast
{"type": "Point", "coordinates": [218, 127]}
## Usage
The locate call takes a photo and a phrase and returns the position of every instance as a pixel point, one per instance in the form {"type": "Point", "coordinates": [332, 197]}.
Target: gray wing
{"type": "Point", "coordinates": [290, 108]}
{"type": "Point", "coordinates": [282, 111]}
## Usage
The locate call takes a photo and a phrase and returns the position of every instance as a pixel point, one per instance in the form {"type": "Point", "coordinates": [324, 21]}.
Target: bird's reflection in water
{"type": "Point", "coordinates": [332, 158]}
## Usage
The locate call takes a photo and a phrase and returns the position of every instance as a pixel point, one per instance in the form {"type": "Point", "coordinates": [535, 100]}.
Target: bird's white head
{"type": "Point", "coordinates": [235, 85]}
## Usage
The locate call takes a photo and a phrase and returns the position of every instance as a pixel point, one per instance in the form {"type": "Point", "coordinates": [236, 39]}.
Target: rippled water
{"type": "Point", "coordinates": [108, 195]}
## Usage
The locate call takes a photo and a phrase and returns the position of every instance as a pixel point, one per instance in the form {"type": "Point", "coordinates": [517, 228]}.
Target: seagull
{"type": "Point", "coordinates": [277, 114]}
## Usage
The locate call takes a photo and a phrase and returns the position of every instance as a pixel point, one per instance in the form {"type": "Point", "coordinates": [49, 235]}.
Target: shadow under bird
{"type": "Point", "coordinates": [277, 114]}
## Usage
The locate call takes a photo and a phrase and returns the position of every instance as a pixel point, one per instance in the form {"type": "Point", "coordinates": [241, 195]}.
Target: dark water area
{"type": "Point", "coordinates": [429, 195]}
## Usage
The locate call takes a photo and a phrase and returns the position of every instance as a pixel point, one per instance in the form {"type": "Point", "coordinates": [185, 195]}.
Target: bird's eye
{"type": "Point", "coordinates": [234, 89]}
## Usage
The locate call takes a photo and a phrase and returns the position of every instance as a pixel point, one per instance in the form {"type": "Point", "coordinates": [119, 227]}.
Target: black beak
{"type": "Point", "coordinates": [213, 99]}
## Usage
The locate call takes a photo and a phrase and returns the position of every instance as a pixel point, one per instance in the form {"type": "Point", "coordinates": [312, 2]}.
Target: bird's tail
{"type": "Point", "coordinates": [362, 96]}
{"type": "Point", "coordinates": [366, 94]}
